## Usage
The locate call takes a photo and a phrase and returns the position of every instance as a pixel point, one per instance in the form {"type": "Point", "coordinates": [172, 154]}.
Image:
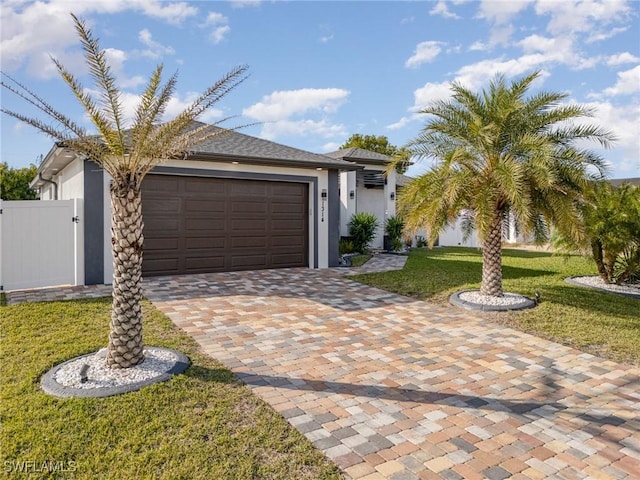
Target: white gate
{"type": "Point", "coordinates": [41, 243]}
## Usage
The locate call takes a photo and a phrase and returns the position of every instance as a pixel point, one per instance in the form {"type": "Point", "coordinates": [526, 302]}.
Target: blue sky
{"type": "Point", "coordinates": [321, 71]}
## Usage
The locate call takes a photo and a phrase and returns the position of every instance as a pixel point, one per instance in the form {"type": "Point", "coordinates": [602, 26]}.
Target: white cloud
{"type": "Point", "coordinates": [219, 33]}
{"type": "Point", "coordinates": [622, 58]}
{"type": "Point", "coordinates": [628, 83]}
{"type": "Point", "coordinates": [501, 12]}
{"type": "Point", "coordinates": [33, 30]}
{"type": "Point", "coordinates": [281, 105]}
{"type": "Point", "coordinates": [291, 112]}
{"type": "Point", "coordinates": [220, 26]}
{"type": "Point", "coordinates": [245, 3]}
{"type": "Point", "coordinates": [501, 35]}
{"type": "Point", "coordinates": [581, 15]}
{"type": "Point", "coordinates": [478, 46]}
{"type": "Point", "coordinates": [331, 147]}
{"type": "Point", "coordinates": [399, 124]}
{"type": "Point", "coordinates": [326, 39]}
{"type": "Point", "coordinates": [315, 128]}
{"type": "Point", "coordinates": [425, 52]}
{"type": "Point", "coordinates": [154, 49]}
{"type": "Point", "coordinates": [174, 13]}
{"type": "Point", "coordinates": [603, 35]}
{"type": "Point", "coordinates": [116, 59]}
{"type": "Point", "coordinates": [442, 10]}
{"type": "Point", "coordinates": [215, 18]}
{"type": "Point", "coordinates": [429, 93]}
{"type": "Point", "coordinates": [623, 121]}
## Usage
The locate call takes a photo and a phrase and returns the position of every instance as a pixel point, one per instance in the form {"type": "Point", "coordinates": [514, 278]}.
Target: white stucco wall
{"type": "Point", "coordinates": [71, 181]}
{"type": "Point", "coordinates": [347, 204]}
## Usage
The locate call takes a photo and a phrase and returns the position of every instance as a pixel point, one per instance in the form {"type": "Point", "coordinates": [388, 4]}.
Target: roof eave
{"type": "Point", "coordinates": [220, 157]}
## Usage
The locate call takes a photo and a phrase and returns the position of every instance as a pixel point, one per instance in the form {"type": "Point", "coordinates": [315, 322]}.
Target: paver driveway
{"type": "Point", "coordinates": [390, 387]}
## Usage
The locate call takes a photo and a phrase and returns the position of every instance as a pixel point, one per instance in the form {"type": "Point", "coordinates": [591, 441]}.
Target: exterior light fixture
{"type": "Point", "coordinates": [352, 194]}
{"type": "Point", "coordinates": [392, 196]}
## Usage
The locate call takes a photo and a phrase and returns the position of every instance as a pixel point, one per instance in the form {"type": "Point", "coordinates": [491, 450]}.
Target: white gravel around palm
{"type": "Point", "coordinates": [508, 299]}
{"type": "Point", "coordinates": [156, 362]}
{"type": "Point", "coordinates": [597, 282]}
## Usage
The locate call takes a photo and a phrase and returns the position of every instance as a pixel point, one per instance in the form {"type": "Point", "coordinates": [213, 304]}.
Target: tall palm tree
{"type": "Point", "coordinates": [127, 155]}
{"type": "Point", "coordinates": [497, 153]}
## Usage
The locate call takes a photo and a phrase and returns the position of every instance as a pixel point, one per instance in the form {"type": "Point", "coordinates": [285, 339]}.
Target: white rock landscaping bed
{"type": "Point", "coordinates": [596, 282]}
{"type": "Point", "coordinates": [474, 300]}
{"type": "Point", "coordinates": [89, 376]}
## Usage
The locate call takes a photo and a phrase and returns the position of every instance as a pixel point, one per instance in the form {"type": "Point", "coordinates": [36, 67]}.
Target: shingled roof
{"type": "Point", "coordinates": [360, 155]}
{"type": "Point", "coordinates": [232, 145]}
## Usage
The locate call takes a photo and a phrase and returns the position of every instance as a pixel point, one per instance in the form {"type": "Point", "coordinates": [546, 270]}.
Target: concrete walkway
{"type": "Point", "coordinates": [389, 387]}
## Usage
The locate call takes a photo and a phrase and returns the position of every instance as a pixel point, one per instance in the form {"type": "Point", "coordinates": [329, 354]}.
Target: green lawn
{"type": "Point", "coordinates": [199, 425]}
{"type": "Point", "coordinates": [598, 322]}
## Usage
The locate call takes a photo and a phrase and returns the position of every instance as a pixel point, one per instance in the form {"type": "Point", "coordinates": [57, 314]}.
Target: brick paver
{"type": "Point", "coordinates": [390, 387]}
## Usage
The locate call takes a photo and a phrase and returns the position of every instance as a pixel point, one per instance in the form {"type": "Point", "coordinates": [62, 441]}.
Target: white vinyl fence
{"type": "Point", "coordinates": [41, 243]}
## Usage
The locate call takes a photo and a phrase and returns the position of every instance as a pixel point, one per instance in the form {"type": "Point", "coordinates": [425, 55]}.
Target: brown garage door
{"type": "Point", "coordinates": [199, 225]}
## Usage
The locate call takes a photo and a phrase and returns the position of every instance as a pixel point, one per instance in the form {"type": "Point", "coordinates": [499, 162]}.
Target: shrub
{"type": "Point", "coordinates": [346, 246]}
{"type": "Point", "coordinates": [393, 227]}
{"type": "Point", "coordinates": [421, 241]}
{"type": "Point", "coordinates": [362, 229]}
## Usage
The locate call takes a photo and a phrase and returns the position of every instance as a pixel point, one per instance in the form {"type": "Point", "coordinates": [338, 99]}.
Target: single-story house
{"type": "Point", "coordinates": [237, 203]}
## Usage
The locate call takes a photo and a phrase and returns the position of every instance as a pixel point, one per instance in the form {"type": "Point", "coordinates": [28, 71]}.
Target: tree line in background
{"type": "Point", "coordinates": [14, 182]}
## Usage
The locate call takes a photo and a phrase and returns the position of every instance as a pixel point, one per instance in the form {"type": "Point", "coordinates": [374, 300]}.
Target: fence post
{"type": "Point", "coordinates": [78, 241]}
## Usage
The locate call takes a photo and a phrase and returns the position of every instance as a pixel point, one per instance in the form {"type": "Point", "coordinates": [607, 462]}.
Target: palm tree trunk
{"type": "Point", "coordinates": [125, 336]}
{"type": "Point", "coordinates": [492, 260]}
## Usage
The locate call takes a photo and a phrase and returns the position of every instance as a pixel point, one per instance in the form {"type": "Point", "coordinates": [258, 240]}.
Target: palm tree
{"type": "Point", "coordinates": [612, 225]}
{"type": "Point", "coordinates": [500, 153]}
{"type": "Point", "coordinates": [127, 155]}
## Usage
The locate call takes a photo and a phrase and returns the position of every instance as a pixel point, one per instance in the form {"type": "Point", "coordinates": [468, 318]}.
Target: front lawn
{"type": "Point", "coordinates": [594, 321]}
{"type": "Point", "coordinates": [199, 425]}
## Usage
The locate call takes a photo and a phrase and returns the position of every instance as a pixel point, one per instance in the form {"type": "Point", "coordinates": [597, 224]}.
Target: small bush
{"type": "Point", "coordinates": [362, 229]}
{"type": "Point", "coordinates": [421, 241]}
{"type": "Point", "coordinates": [346, 246]}
{"type": "Point", "coordinates": [394, 227]}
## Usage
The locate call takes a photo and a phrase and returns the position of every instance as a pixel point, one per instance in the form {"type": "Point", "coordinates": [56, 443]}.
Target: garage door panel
{"type": "Point", "coordinates": [287, 208]}
{"type": "Point", "coordinates": [288, 189]}
{"type": "Point", "coordinates": [161, 184]}
{"type": "Point", "coordinates": [287, 241]}
{"type": "Point", "coordinates": [196, 206]}
{"type": "Point", "coordinates": [286, 259]}
{"type": "Point", "coordinates": [163, 266]}
{"type": "Point", "coordinates": [279, 225]}
{"type": "Point", "coordinates": [246, 206]}
{"type": "Point", "coordinates": [163, 206]}
{"type": "Point", "coordinates": [247, 188]}
{"type": "Point", "coordinates": [254, 225]}
{"type": "Point", "coordinates": [249, 261]}
{"type": "Point", "coordinates": [158, 243]}
{"type": "Point", "coordinates": [206, 186]}
{"type": "Point", "coordinates": [249, 242]}
{"type": "Point", "coordinates": [196, 243]}
{"type": "Point", "coordinates": [160, 226]}
{"type": "Point", "coordinates": [195, 226]}
{"type": "Point", "coordinates": [199, 225]}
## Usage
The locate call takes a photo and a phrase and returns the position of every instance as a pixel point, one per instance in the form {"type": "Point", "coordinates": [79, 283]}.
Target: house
{"type": "Point", "coordinates": [236, 203]}
{"type": "Point", "coordinates": [366, 189]}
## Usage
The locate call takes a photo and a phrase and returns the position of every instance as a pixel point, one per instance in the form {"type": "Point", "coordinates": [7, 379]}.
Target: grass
{"type": "Point", "coordinates": [202, 424]}
{"type": "Point", "coordinates": [359, 260]}
{"type": "Point", "coordinates": [597, 322]}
